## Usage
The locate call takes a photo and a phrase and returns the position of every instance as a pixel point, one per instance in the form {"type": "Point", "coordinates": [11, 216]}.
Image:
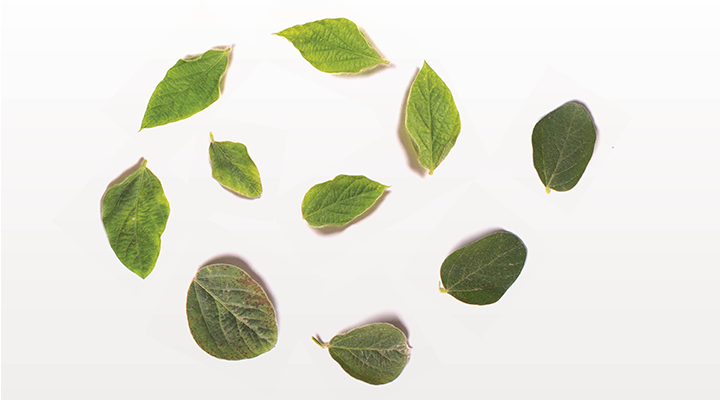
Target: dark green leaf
{"type": "Point", "coordinates": [233, 168]}
{"type": "Point", "coordinates": [563, 143]}
{"type": "Point", "coordinates": [432, 119]}
{"type": "Point", "coordinates": [333, 45]}
{"type": "Point", "coordinates": [375, 353]}
{"type": "Point", "coordinates": [134, 213]}
{"type": "Point", "coordinates": [339, 201]}
{"type": "Point", "coordinates": [481, 272]}
{"type": "Point", "coordinates": [189, 87]}
{"type": "Point", "coordinates": [229, 315]}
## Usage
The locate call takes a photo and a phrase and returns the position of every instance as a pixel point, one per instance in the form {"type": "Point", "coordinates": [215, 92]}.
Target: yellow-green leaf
{"type": "Point", "coordinates": [339, 201]}
{"type": "Point", "coordinates": [233, 168]}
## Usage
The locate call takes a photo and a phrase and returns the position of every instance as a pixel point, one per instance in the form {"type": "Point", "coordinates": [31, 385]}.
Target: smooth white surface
{"type": "Point", "coordinates": [619, 296]}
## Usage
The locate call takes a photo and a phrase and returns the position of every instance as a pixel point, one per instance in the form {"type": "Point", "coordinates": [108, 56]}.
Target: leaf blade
{"type": "Point", "coordinates": [563, 143]}
{"type": "Point", "coordinates": [432, 119]}
{"type": "Point", "coordinates": [190, 86]}
{"type": "Point", "coordinates": [333, 46]}
{"type": "Point", "coordinates": [339, 201]}
{"type": "Point", "coordinates": [233, 168]}
{"type": "Point", "coordinates": [134, 214]}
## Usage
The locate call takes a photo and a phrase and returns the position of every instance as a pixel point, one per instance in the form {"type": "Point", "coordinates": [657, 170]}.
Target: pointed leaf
{"type": "Point", "coordinates": [563, 143]}
{"type": "Point", "coordinates": [134, 213]}
{"type": "Point", "coordinates": [333, 45]}
{"type": "Point", "coordinates": [375, 353]}
{"type": "Point", "coordinates": [481, 272]}
{"type": "Point", "coordinates": [189, 87]}
{"type": "Point", "coordinates": [233, 168]}
{"type": "Point", "coordinates": [432, 119]}
{"type": "Point", "coordinates": [229, 314]}
{"type": "Point", "coordinates": [339, 201]}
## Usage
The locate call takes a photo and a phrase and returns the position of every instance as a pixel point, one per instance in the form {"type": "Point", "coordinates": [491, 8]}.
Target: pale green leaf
{"type": "Point", "coordinates": [374, 353]}
{"type": "Point", "coordinates": [432, 119]}
{"type": "Point", "coordinates": [333, 45]}
{"type": "Point", "coordinates": [563, 143]}
{"type": "Point", "coordinates": [233, 168]}
{"type": "Point", "coordinates": [134, 213]}
{"type": "Point", "coordinates": [189, 87]}
{"type": "Point", "coordinates": [339, 201]}
{"type": "Point", "coordinates": [229, 314]}
{"type": "Point", "coordinates": [481, 272]}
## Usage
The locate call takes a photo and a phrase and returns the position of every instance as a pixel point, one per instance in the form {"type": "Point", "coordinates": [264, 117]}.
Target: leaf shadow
{"type": "Point", "coordinates": [333, 230]}
{"type": "Point", "coordinates": [475, 237]}
{"type": "Point", "coordinates": [237, 261]}
{"type": "Point", "coordinates": [404, 136]}
{"type": "Point", "coordinates": [387, 317]}
{"type": "Point", "coordinates": [597, 131]}
{"type": "Point", "coordinates": [124, 175]}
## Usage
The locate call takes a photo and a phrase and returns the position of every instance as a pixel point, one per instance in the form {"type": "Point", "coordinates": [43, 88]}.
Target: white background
{"type": "Point", "coordinates": [619, 295]}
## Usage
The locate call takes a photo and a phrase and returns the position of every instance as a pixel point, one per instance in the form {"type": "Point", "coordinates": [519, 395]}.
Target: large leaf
{"type": "Point", "coordinates": [229, 315]}
{"type": "Point", "coordinates": [233, 168]}
{"type": "Point", "coordinates": [134, 213]}
{"type": "Point", "coordinates": [339, 201]}
{"type": "Point", "coordinates": [481, 272]}
{"type": "Point", "coordinates": [432, 119]}
{"type": "Point", "coordinates": [563, 143]}
{"type": "Point", "coordinates": [333, 45]}
{"type": "Point", "coordinates": [375, 353]}
{"type": "Point", "coordinates": [189, 87]}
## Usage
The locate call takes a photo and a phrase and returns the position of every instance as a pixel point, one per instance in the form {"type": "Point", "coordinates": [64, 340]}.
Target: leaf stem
{"type": "Point", "coordinates": [318, 342]}
{"type": "Point", "coordinates": [212, 138]}
{"type": "Point", "coordinates": [547, 189]}
{"type": "Point", "coordinates": [441, 289]}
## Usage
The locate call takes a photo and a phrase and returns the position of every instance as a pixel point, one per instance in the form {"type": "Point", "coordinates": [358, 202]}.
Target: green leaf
{"type": "Point", "coordinates": [134, 213]}
{"type": "Point", "coordinates": [189, 87]}
{"type": "Point", "coordinates": [374, 353]}
{"type": "Point", "coordinates": [333, 45]}
{"type": "Point", "coordinates": [432, 119]}
{"type": "Point", "coordinates": [229, 315]}
{"type": "Point", "coordinates": [481, 272]}
{"type": "Point", "coordinates": [233, 168]}
{"type": "Point", "coordinates": [563, 143]}
{"type": "Point", "coordinates": [339, 201]}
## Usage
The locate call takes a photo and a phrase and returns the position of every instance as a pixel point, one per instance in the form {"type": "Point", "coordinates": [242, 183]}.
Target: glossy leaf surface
{"type": "Point", "coordinates": [339, 201]}
{"type": "Point", "coordinates": [233, 168]}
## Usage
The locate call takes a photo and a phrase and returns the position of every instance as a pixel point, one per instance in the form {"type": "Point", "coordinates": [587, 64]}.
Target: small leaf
{"type": "Point", "coordinates": [233, 168]}
{"type": "Point", "coordinates": [481, 272]}
{"type": "Point", "coordinates": [229, 314]}
{"type": "Point", "coordinates": [333, 45]}
{"type": "Point", "coordinates": [134, 213]}
{"type": "Point", "coordinates": [189, 87]}
{"type": "Point", "coordinates": [563, 143]}
{"type": "Point", "coordinates": [374, 353]}
{"type": "Point", "coordinates": [432, 119]}
{"type": "Point", "coordinates": [339, 201]}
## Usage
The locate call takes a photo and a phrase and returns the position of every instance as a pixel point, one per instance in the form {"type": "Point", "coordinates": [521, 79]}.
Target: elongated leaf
{"type": "Point", "coordinates": [339, 201]}
{"type": "Point", "coordinates": [432, 119]}
{"type": "Point", "coordinates": [374, 353]}
{"type": "Point", "coordinates": [563, 143]}
{"type": "Point", "coordinates": [189, 87]}
{"type": "Point", "coordinates": [233, 168]}
{"type": "Point", "coordinates": [229, 314]}
{"type": "Point", "coordinates": [481, 272]}
{"type": "Point", "coordinates": [134, 213]}
{"type": "Point", "coordinates": [333, 45]}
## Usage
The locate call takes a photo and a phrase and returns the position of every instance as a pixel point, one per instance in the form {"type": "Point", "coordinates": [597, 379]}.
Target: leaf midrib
{"type": "Point", "coordinates": [243, 175]}
{"type": "Point", "coordinates": [338, 201]}
{"type": "Point", "coordinates": [478, 270]}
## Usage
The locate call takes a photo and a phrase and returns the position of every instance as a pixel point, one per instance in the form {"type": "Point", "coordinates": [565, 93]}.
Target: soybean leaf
{"type": "Point", "coordinates": [333, 45]}
{"type": "Point", "coordinates": [229, 315]}
{"type": "Point", "coordinates": [233, 168]}
{"type": "Point", "coordinates": [563, 143]}
{"type": "Point", "coordinates": [339, 201]}
{"type": "Point", "coordinates": [374, 353]}
{"type": "Point", "coordinates": [432, 119]}
{"type": "Point", "coordinates": [189, 87]}
{"type": "Point", "coordinates": [134, 213]}
{"type": "Point", "coordinates": [481, 272]}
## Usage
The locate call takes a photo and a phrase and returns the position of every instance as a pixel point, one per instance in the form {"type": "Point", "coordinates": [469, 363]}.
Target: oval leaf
{"type": "Point", "coordinates": [333, 45]}
{"type": "Point", "coordinates": [481, 272]}
{"type": "Point", "coordinates": [189, 87]}
{"type": "Point", "coordinates": [229, 315]}
{"type": "Point", "coordinates": [563, 143]}
{"type": "Point", "coordinates": [134, 213]}
{"type": "Point", "coordinates": [374, 353]}
{"type": "Point", "coordinates": [339, 201]}
{"type": "Point", "coordinates": [233, 168]}
{"type": "Point", "coordinates": [432, 119]}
